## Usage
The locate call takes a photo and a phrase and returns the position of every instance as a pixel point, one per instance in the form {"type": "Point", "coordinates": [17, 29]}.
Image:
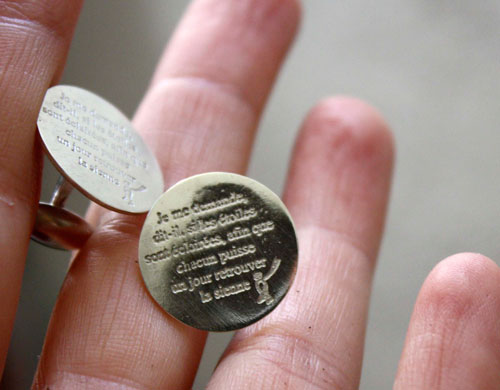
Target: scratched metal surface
{"type": "Point", "coordinates": [218, 251]}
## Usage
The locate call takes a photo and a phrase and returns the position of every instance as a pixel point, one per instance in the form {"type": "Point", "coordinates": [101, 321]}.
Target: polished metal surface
{"type": "Point", "coordinates": [218, 251]}
{"type": "Point", "coordinates": [57, 227]}
{"type": "Point", "coordinates": [97, 150]}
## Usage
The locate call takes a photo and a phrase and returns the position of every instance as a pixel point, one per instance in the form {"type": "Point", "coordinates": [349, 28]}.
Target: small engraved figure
{"type": "Point", "coordinates": [128, 192]}
{"type": "Point", "coordinates": [261, 283]}
{"type": "Point", "coordinates": [206, 296]}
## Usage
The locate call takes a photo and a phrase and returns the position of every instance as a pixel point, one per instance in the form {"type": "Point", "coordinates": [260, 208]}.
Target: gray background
{"type": "Point", "coordinates": [432, 67]}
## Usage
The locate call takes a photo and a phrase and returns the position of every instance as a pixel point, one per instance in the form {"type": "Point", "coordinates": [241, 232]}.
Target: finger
{"type": "Point", "coordinates": [337, 192]}
{"type": "Point", "coordinates": [106, 329]}
{"type": "Point", "coordinates": [453, 341]}
{"type": "Point", "coordinates": [34, 40]}
{"type": "Point", "coordinates": [212, 82]}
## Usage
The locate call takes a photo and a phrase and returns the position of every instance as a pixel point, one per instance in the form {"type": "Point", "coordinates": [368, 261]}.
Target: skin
{"type": "Point", "coordinates": [212, 82]}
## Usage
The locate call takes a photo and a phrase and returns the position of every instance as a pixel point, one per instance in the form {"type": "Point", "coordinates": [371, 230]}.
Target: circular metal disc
{"type": "Point", "coordinates": [96, 148]}
{"type": "Point", "coordinates": [218, 251]}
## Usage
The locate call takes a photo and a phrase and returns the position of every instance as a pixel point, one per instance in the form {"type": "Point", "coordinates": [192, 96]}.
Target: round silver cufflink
{"type": "Point", "coordinates": [98, 152]}
{"type": "Point", "coordinates": [218, 251]}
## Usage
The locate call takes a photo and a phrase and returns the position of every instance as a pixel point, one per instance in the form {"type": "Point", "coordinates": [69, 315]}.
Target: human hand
{"type": "Point", "coordinates": [212, 83]}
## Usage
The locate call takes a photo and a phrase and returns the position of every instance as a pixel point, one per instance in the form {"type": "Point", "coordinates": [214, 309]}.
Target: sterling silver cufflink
{"type": "Point", "coordinates": [98, 152]}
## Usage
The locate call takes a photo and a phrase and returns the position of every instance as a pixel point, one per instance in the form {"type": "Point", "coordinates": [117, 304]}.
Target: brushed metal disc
{"type": "Point", "coordinates": [96, 148]}
{"type": "Point", "coordinates": [218, 251]}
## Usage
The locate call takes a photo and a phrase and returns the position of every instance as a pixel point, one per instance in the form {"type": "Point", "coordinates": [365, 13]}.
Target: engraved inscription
{"type": "Point", "coordinates": [97, 147]}
{"type": "Point", "coordinates": [225, 229]}
{"type": "Point", "coordinates": [218, 251]}
{"type": "Point", "coordinates": [101, 145]}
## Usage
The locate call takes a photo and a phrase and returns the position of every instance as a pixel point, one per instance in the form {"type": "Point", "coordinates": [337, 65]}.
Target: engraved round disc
{"type": "Point", "coordinates": [96, 148]}
{"type": "Point", "coordinates": [218, 251]}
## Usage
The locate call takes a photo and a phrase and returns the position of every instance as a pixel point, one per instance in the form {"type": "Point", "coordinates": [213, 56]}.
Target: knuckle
{"type": "Point", "coordinates": [117, 231]}
{"type": "Point", "coordinates": [352, 126]}
{"type": "Point", "coordinates": [294, 359]}
{"type": "Point", "coordinates": [49, 16]}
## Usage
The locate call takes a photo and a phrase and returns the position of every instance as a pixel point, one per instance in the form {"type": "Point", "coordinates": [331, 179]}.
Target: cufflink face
{"type": "Point", "coordinates": [218, 251]}
{"type": "Point", "coordinates": [96, 149]}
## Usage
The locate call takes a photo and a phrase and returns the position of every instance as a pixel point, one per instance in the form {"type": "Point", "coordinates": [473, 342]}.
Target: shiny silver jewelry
{"type": "Point", "coordinates": [218, 251]}
{"type": "Point", "coordinates": [98, 152]}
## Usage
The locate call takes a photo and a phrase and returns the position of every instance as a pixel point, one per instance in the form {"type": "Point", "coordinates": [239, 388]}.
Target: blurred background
{"type": "Point", "coordinates": [432, 67]}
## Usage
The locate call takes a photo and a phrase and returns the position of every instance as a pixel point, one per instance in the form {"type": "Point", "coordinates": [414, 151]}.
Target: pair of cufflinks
{"type": "Point", "coordinates": [218, 251]}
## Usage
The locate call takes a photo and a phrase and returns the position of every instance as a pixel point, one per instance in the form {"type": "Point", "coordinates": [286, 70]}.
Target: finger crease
{"type": "Point", "coordinates": [201, 82]}
{"type": "Point", "coordinates": [109, 382]}
{"type": "Point", "coordinates": [296, 356]}
{"type": "Point", "coordinates": [34, 17]}
{"type": "Point", "coordinates": [341, 236]}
